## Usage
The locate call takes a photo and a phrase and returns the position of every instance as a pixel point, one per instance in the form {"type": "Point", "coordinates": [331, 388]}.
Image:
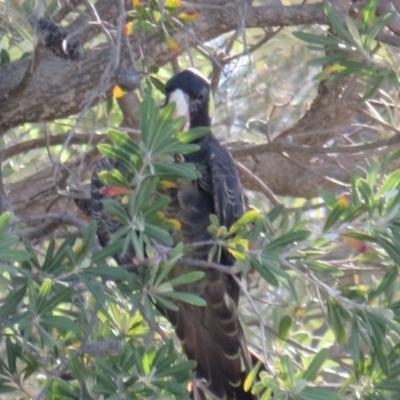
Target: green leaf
{"type": "Point", "coordinates": [330, 59]}
{"type": "Point", "coordinates": [175, 171]}
{"type": "Point", "coordinates": [57, 261]}
{"type": "Point", "coordinates": [392, 181]}
{"type": "Point", "coordinates": [328, 198]}
{"type": "Point", "coordinates": [122, 140]}
{"type": "Point", "coordinates": [142, 195]}
{"type": "Point", "coordinates": [4, 388]}
{"type": "Point", "coordinates": [366, 192]}
{"type": "Point", "coordinates": [348, 69]}
{"type": "Point", "coordinates": [388, 280]}
{"type": "Point", "coordinates": [190, 277]}
{"type": "Point", "coordinates": [15, 270]}
{"type": "Point", "coordinates": [285, 325]}
{"type": "Point", "coordinates": [368, 13]}
{"type": "Point", "coordinates": [114, 247]}
{"type": "Point", "coordinates": [12, 301]}
{"type": "Point", "coordinates": [287, 368]}
{"type": "Point", "coordinates": [4, 220]}
{"type": "Point", "coordinates": [175, 147]}
{"type": "Point", "coordinates": [4, 57]}
{"type": "Point", "coordinates": [377, 341]}
{"type": "Point", "coordinates": [119, 155]}
{"type": "Point", "coordinates": [353, 29]}
{"type": "Point", "coordinates": [61, 323]}
{"type": "Point", "coordinates": [336, 23]}
{"type": "Point", "coordinates": [154, 128]}
{"type": "Point", "coordinates": [49, 255]}
{"type": "Point", "coordinates": [13, 351]}
{"type": "Point", "coordinates": [364, 237]}
{"type": "Point", "coordinates": [288, 238]}
{"type": "Point", "coordinates": [172, 4]}
{"type": "Point", "coordinates": [391, 249]}
{"type": "Point", "coordinates": [159, 85]}
{"type": "Point", "coordinates": [354, 340]}
{"type": "Point", "coordinates": [157, 205]}
{"type": "Point", "coordinates": [264, 270]}
{"type": "Point", "coordinates": [318, 394]}
{"type": "Point", "coordinates": [94, 287]}
{"type": "Point", "coordinates": [192, 134]}
{"type": "Point", "coordinates": [186, 298]}
{"type": "Point", "coordinates": [116, 210]}
{"type": "Point", "coordinates": [319, 40]}
{"type": "Point", "coordinates": [45, 288]}
{"type": "Point", "coordinates": [172, 387]}
{"type": "Point", "coordinates": [311, 372]}
{"type": "Point", "coordinates": [336, 213]}
{"type": "Point", "coordinates": [381, 22]}
{"type": "Point", "coordinates": [389, 385]}
{"type": "Point", "coordinates": [7, 242]}
{"type": "Point", "coordinates": [165, 303]}
{"type": "Point", "coordinates": [14, 255]}
{"type": "Point", "coordinates": [88, 237]}
{"type": "Point", "coordinates": [158, 234]}
{"type": "Point", "coordinates": [335, 322]}
{"type": "Point", "coordinates": [175, 369]}
{"type": "Point", "coordinates": [54, 301]}
{"type": "Point", "coordinates": [118, 274]}
{"type": "Point", "coordinates": [247, 218]}
{"type": "Point", "coordinates": [113, 178]}
{"type": "Point", "coordinates": [251, 376]}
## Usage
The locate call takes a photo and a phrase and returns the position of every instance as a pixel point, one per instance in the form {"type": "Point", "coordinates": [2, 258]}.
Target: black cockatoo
{"type": "Point", "coordinates": [210, 335]}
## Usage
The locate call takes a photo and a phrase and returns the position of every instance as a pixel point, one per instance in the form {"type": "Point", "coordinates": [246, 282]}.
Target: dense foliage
{"type": "Point", "coordinates": [320, 277]}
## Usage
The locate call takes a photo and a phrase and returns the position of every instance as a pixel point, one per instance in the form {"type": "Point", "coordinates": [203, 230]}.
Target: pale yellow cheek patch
{"type": "Point", "coordinates": [181, 106]}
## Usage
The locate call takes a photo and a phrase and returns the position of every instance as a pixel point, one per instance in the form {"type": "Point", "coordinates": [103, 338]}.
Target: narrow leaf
{"type": "Point", "coordinates": [311, 372]}
{"type": "Point", "coordinates": [186, 298]}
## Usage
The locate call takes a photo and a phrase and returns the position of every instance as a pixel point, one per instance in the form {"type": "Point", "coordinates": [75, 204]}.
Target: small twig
{"type": "Point", "coordinates": [262, 186]}
{"type": "Point", "coordinates": [65, 10]}
{"type": "Point", "coordinates": [61, 216]}
{"type": "Point", "coordinates": [209, 264]}
{"type": "Point", "coordinates": [199, 384]}
{"type": "Point", "coordinates": [28, 145]}
{"type": "Point", "coordinates": [207, 5]}
{"type": "Point", "coordinates": [261, 322]}
{"type": "Point", "coordinates": [153, 324]}
{"type": "Point", "coordinates": [280, 147]}
{"type": "Point", "coordinates": [40, 231]}
{"type": "Point", "coordinates": [175, 65]}
{"type": "Point", "coordinates": [59, 373]}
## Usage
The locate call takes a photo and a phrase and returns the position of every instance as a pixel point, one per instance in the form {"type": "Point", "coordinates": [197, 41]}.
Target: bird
{"type": "Point", "coordinates": [211, 335]}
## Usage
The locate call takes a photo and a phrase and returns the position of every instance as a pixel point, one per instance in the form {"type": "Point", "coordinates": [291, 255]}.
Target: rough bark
{"type": "Point", "coordinates": [60, 88]}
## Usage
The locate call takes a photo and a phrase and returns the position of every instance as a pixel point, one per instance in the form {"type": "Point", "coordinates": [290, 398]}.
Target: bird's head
{"type": "Point", "coordinates": [191, 92]}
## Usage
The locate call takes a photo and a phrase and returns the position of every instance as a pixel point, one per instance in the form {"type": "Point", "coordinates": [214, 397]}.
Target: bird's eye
{"type": "Point", "coordinates": [200, 97]}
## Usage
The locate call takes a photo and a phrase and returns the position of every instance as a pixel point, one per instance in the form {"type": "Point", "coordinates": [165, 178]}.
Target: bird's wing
{"type": "Point", "coordinates": [227, 192]}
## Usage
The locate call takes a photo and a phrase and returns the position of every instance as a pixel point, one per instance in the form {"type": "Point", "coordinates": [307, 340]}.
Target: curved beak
{"type": "Point", "coordinates": [182, 108]}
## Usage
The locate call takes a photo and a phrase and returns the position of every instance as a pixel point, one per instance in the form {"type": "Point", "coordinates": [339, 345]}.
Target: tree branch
{"type": "Point", "coordinates": [57, 90]}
